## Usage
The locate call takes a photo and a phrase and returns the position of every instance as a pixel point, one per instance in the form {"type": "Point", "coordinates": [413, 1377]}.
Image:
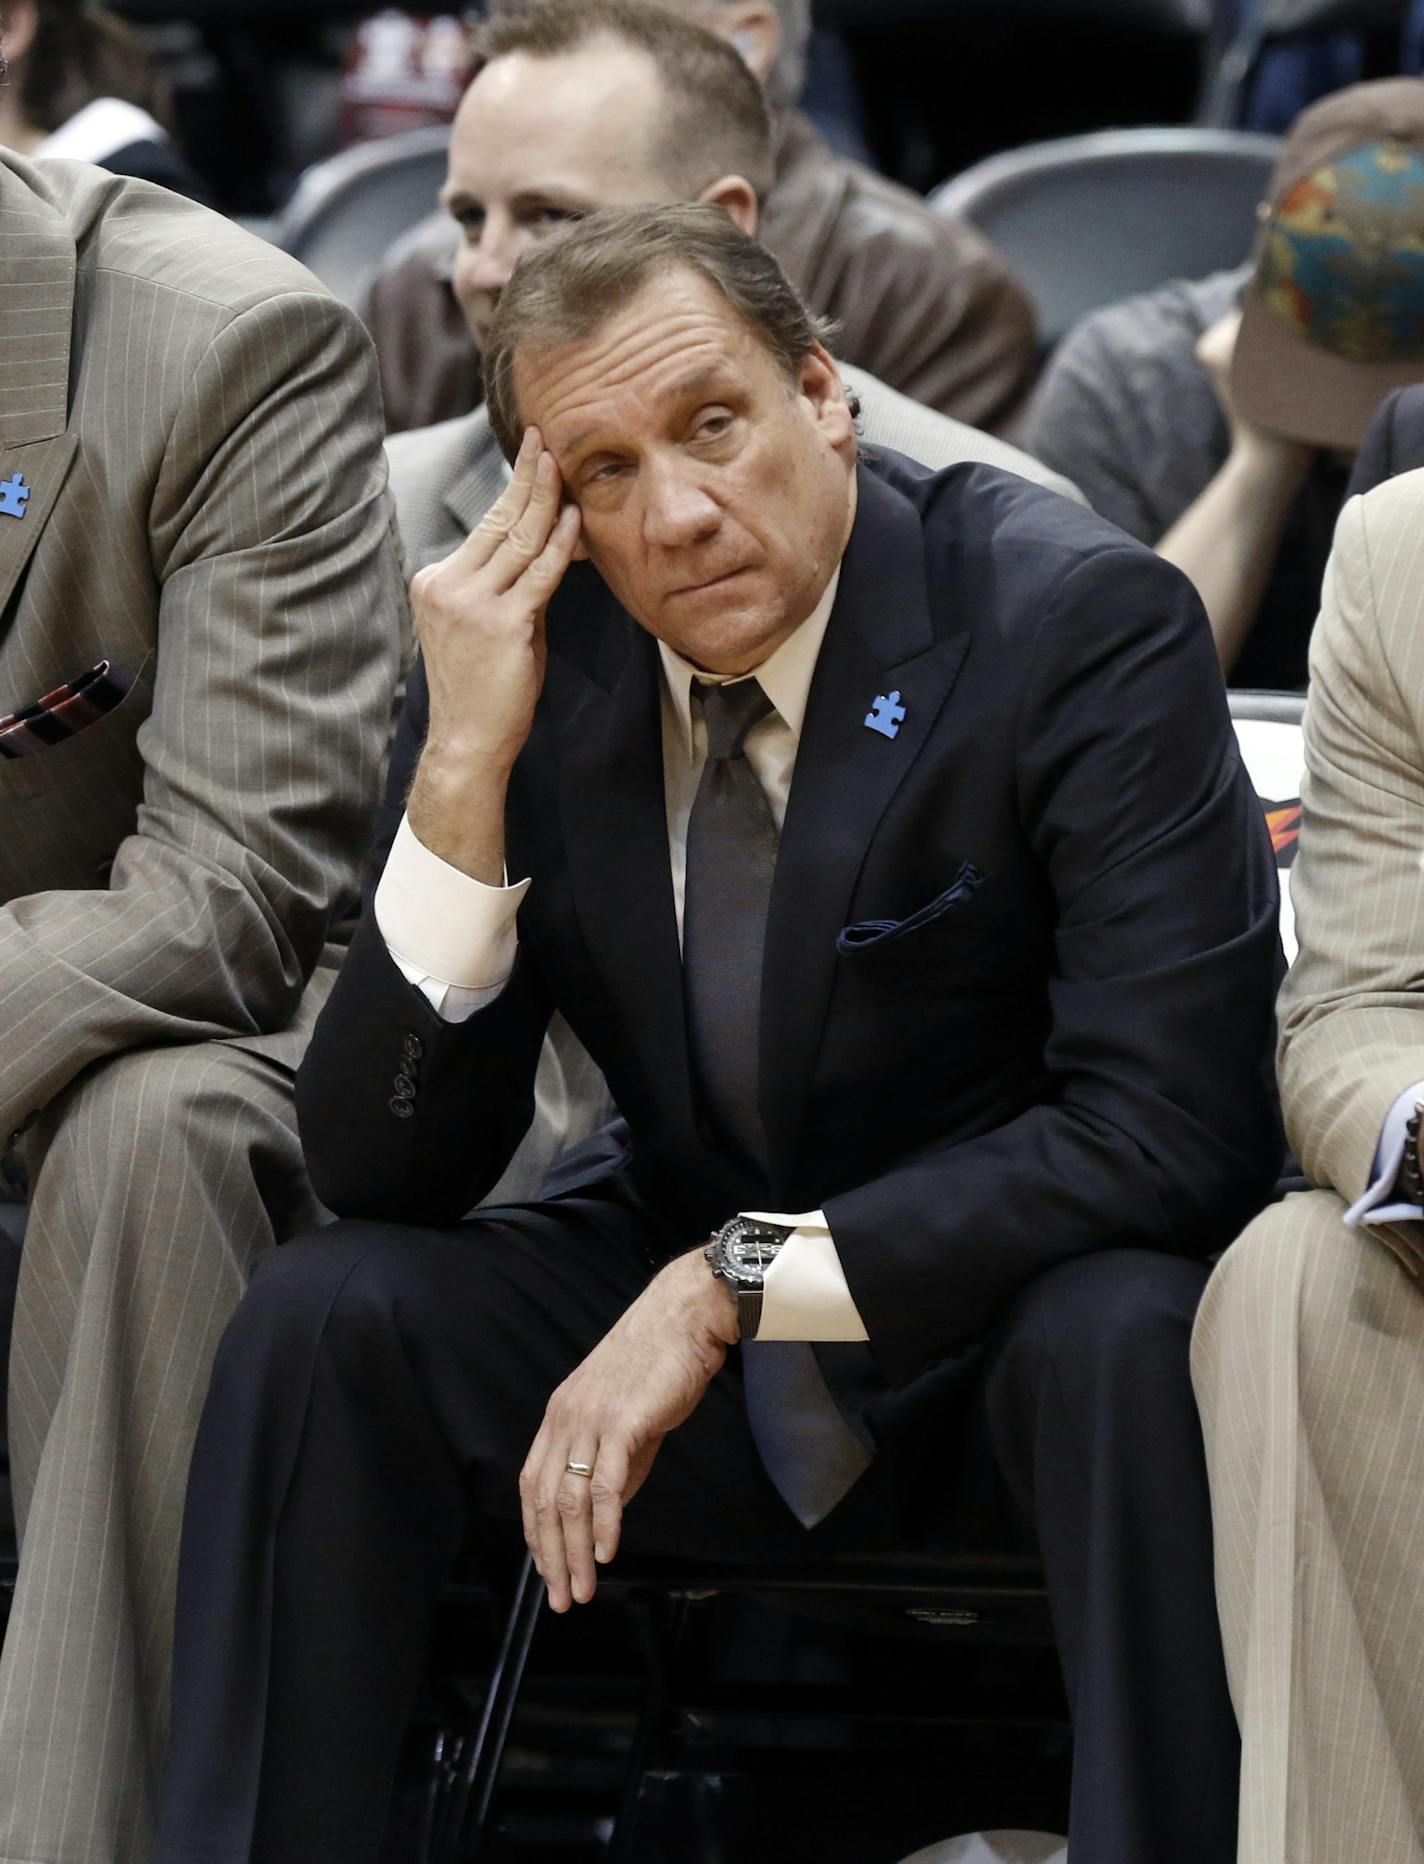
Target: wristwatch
{"type": "Point", "coordinates": [1411, 1176]}
{"type": "Point", "coordinates": [740, 1254]}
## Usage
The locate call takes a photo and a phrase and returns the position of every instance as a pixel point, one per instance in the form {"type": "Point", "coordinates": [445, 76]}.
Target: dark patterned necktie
{"type": "Point", "coordinates": [806, 1446]}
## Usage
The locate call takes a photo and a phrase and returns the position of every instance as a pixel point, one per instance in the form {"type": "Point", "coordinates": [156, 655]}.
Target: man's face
{"type": "Point", "coordinates": [542, 141]}
{"type": "Point", "coordinates": [716, 497]}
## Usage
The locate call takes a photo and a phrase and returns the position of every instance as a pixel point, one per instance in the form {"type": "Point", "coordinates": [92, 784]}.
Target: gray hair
{"type": "Point", "coordinates": [566, 289]}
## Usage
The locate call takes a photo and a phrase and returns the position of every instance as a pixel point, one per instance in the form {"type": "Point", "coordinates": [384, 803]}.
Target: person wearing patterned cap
{"type": "Point", "coordinates": [1218, 418]}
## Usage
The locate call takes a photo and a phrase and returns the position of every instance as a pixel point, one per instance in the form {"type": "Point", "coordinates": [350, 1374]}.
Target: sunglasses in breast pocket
{"type": "Point", "coordinates": [65, 712]}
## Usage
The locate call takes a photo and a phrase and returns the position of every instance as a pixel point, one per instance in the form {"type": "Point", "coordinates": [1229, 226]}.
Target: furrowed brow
{"type": "Point", "coordinates": [690, 386]}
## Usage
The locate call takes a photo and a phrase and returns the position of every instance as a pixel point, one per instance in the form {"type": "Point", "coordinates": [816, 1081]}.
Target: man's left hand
{"type": "Point", "coordinates": [644, 1378]}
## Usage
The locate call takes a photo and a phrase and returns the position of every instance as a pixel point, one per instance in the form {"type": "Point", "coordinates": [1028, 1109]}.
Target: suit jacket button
{"type": "Point", "coordinates": [404, 1086]}
{"type": "Point", "coordinates": [402, 1108]}
{"type": "Point", "coordinates": [413, 1047]}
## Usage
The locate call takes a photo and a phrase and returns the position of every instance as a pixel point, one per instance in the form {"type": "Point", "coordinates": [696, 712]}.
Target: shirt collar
{"type": "Point", "coordinates": [785, 676]}
{"type": "Point", "coordinates": [100, 130]}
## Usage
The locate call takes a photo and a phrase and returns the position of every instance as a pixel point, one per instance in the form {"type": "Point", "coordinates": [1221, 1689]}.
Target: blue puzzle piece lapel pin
{"type": "Point", "coordinates": [887, 715]}
{"type": "Point", "coordinates": [14, 496]}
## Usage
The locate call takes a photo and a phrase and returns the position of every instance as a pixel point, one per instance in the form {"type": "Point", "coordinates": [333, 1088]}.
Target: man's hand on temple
{"type": "Point", "coordinates": [644, 1378]}
{"type": "Point", "coordinates": [479, 615]}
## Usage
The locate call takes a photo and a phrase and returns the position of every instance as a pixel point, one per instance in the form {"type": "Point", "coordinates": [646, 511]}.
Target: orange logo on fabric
{"type": "Point", "coordinates": [1283, 821]}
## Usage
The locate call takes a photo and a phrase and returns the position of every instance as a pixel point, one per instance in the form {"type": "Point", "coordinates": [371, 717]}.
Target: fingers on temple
{"type": "Point", "coordinates": [507, 510]}
{"type": "Point", "coordinates": [546, 571]}
{"type": "Point", "coordinates": [529, 535]}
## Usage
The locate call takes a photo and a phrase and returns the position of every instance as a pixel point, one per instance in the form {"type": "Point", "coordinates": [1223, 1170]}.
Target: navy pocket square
{"type": "Point", "coordinates": [865, 934]}
{"type": "Point", "coordinates": [65, 711]}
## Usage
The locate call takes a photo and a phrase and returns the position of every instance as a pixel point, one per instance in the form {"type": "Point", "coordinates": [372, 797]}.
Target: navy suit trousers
{"type": "Point", "coordinates": [374, 1400]}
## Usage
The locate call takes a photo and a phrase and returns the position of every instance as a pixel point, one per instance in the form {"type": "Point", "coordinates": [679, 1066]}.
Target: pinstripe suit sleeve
{"type": "Point", "coordinates": [1352, 1011]}
{"type": "Point", "coordinates": [278, 643]}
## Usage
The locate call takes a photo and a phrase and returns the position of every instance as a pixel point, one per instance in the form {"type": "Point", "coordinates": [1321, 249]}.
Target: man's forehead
{"type": "Point", "coordinates": [678, 336]}
{"type": "Point", "coordinates": [569, 99]}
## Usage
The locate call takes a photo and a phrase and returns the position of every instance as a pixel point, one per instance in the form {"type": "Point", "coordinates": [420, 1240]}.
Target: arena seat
{"type": "Point", "coordinates": [692, 1717]}
{"type": "Point", "coordinates": [345, 212]}
{"type": "Point", "coordinates": [1268, 730]}
{"type": "Point", "coordinates": [1087, 220]}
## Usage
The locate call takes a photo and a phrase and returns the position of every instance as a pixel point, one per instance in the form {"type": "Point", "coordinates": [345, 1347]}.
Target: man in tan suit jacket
{"type": "Point", "coordinates": [192, 491]}
{"type": "Point", "coordinates": [1308, 1354]}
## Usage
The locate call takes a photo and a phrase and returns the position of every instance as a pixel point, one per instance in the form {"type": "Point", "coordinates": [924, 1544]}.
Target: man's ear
{"type": "Point", "coordinates": [755, 29]}
{"type": "Point", "coordinates": [737, 198]}
{"type": "Point", "coordinates": [821, 385]}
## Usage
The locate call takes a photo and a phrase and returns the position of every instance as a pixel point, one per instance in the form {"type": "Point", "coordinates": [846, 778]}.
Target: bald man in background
{"type": "Point", "coordinates": [924, 303]}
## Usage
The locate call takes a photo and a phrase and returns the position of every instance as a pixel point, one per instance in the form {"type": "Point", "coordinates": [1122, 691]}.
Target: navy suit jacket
{"type": "Point", "coordinates": [1021, 958]}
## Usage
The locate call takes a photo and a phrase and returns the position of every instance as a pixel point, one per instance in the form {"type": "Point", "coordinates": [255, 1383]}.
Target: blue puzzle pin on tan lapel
{"type": "Point", "coordinates": [887, 715]}
{"type": "Point", "coordinates": [14, 496]}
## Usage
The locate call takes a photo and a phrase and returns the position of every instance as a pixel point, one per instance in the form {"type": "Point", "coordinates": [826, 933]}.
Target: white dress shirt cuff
{"type": "Point", "coordinates": [451, 936]}
{"type": "Point", "coordinates": [804, 1295]}
{"type": "Point", "coordinates": [1383, 1202]}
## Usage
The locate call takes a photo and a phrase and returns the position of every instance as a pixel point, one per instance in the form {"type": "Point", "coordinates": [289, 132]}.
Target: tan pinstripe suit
{"type": "Point", "coordinates": [1308, 1354]}
{"type": "Point", "coordinates": [199, 426]}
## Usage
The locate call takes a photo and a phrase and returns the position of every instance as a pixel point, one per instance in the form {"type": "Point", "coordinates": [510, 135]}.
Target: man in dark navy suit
{"type": "Point", "coordinates": [882, 836]}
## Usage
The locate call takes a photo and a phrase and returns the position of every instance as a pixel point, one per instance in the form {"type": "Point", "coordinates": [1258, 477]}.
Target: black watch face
{"type": "Point", "coordinates": [751, 1254]}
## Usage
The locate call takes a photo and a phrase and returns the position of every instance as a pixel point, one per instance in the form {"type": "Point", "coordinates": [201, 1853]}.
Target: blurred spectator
{"type": "Point", "coordinates": [81, 86]}
{"type": "Point", "coordinates": [1284, 54]}
{"type": "Point", "coordinates": [1217, 419]}
{"type": "Point", "coordinates": [1395, 442]}
{"type": "Point", "coordinates": [547, 134]}
{"type": "Point", "coordinates": [923, 303]}
{"type": "Point", "coordinates": [405, 73]}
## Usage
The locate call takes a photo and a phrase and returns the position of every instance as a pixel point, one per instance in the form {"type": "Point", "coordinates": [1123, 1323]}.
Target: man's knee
{"type": "Point", "coordinates": [1089, 1372]}
{"type": "Point", "coordinates": [355, 1290]}
{"type": "Point", "coordinates": [163, 1107]}
{"type": "Point", "coordinates": [339, 1278]}
{"type": "Point", "coordinates": [1113, 1319]}
{"type": "Point", "coordinates": [1284, 1294]}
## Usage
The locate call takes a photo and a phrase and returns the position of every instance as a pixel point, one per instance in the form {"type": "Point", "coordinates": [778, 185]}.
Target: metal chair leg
{"type": "Point", "coordinates": [664, 1647]}
{"type": "Point", "coordinates": [467, 1810]}
{"type": "Point", "coordinates": [431, 1799]}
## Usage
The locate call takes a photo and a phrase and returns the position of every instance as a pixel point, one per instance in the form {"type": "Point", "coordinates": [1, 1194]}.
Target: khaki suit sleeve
{"type": "Point", "coordinates": [278, 636]}
{"type": "Point", "coordinates": [1352, 1011]}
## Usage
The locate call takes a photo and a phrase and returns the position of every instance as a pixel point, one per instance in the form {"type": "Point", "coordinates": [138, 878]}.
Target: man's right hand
{"type": "Point", "coordinates": [479, 617]}
{"type": "Point", "coordinates": [1269, 453]}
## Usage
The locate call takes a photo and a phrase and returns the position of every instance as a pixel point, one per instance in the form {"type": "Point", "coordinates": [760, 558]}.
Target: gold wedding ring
{"type": "Point", "coordinates": [579, 1469]}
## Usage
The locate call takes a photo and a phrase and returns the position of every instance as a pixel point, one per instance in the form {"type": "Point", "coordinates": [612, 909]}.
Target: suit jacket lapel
{"type": "Point", "coordinates": [36, 325]}
{"type": "Point", "coordinates": [879, 641]}
{"type": "Point", "coordinates": [615, 822]}
{"type": "Point", "coordinates": [469, 495]}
